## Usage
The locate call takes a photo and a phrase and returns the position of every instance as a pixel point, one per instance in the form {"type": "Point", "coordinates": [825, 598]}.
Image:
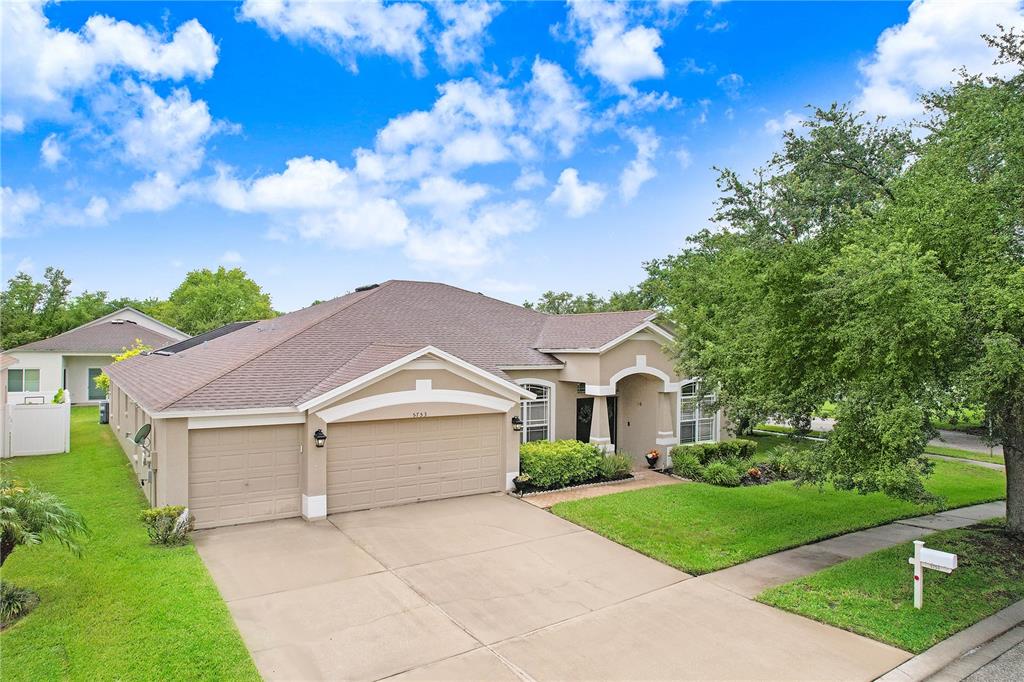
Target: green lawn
{"type": "Point", "coordinates": [873, 595]}
{"type": "Point", "coordinates": [964, 454]}
{"type": "Point", "coordinates": [700, 528]}
{"type": "Point", "coordinates": [124, 610]}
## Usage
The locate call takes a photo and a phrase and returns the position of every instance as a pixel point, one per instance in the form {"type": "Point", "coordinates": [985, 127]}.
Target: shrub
{"type": "Point", "coordinates": [616, 465]}
{"type": "Point", "coordinates": [687, 465]}
{"type": "Point", "coordinates": [168, 525]}
{"type": "Point", "coordinates": [58, 397]}
{"type": "Point", "coordinates": [720, 473]}
{"type": "Point", "coordinates": [29, 516]}
{"type": "Point", "coordinates": [15, 602]}
{"type": "Point", "coordinates": [556, 464]}
{"type": "Point", "coordinates": [708, 452]}
{"type": "Point", "coordinates": [787, 462]}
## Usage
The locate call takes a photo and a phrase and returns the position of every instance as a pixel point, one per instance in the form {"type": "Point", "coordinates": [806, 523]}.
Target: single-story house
{"type": "Point", "coordinates": [73, 360]}
{"type": "Point", "coordinates": [395, 393]}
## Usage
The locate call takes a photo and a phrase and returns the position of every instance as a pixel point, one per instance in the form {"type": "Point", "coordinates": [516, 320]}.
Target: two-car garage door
{"type": "Point", "coordinates": [388, 462]}
{"type": "Point", "coordinates": [244, 474]}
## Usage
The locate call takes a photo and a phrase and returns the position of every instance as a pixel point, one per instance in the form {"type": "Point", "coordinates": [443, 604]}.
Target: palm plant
{"type": "Point", "coordinates": [29, 516]}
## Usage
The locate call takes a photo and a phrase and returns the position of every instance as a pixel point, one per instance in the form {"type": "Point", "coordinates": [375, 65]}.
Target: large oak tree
{"type": "Point", "coordinates": [876, 269]}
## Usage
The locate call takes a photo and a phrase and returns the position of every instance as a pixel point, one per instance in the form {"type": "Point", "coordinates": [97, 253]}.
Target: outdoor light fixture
{"type": "Point", "coordinates": [517, 424]}
{"type": "Point", "coordinates": [320, 437]}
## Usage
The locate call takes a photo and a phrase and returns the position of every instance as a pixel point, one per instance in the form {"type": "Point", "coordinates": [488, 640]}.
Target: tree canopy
{"type": "Point", "coordinates": [642, 297]}
{"type": "Point", "coordinates": [874, 269]}
{"type": "Point", "coordinates": [208, 299]}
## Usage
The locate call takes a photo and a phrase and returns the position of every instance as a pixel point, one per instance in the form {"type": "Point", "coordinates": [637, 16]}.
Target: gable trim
{"type": "Point", "coordinates": [475, 374]}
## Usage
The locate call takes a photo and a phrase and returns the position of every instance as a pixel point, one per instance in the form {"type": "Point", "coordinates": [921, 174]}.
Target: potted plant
{"type": "Point", "coordinates": [521, 481]}
{"type": "Point", "coordinates": [652, 458]}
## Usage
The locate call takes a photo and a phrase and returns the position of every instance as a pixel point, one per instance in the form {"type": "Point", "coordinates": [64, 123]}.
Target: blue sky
{"type": "Point", "coordinates": [506, 148]}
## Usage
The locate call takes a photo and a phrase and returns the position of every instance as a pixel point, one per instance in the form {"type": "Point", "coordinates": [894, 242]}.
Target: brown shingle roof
{"type": "Point", "coordinates": [102, 337]}
{"type": "Point", "coordinates": [287, 360]}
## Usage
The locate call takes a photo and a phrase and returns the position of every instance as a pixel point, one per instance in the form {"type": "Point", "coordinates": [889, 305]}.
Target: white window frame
{"type": "Point", "coordinates": [549, 400]}
{"type": "Point", "coordinates": [700, 415]}
{"type": "Point", "coordinates": [39, 379]}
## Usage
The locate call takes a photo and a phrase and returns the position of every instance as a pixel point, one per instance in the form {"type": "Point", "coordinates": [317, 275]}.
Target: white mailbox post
{"type": "Point", "coordinates": [928, 558]}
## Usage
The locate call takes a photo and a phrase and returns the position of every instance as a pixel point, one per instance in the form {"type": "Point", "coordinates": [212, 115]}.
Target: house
{"type": "Point", "coordinates": [72, 360]}
{"type": "Point", "coordinates": [395, 393]}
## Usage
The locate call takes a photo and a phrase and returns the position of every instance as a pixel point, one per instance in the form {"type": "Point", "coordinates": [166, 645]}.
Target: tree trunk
{"type": "Point", "coordinates": [1013, 454]}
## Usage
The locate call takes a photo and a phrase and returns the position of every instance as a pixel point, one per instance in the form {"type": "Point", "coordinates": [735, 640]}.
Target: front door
{"type": "Point", "coordinates": [585, 414]}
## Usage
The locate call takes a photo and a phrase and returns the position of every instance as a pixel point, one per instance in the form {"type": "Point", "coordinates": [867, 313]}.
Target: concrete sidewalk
{"type": "Point", "coordinates": [949, 439]}
{"type": "Point", "coordinates": [752, 578]}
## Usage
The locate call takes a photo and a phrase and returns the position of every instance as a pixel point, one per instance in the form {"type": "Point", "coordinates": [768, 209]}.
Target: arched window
{"type": "Point", "coordinates": [536, 414]}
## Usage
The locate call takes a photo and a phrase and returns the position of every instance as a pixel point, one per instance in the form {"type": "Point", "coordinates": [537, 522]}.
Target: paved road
{"type": "Point", "coordinates": [1007, 668]}
{"type": "Point", "coordinates": [949, 439]}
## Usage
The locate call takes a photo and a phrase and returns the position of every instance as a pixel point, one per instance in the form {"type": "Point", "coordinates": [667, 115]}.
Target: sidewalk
{"type": "Point", "coordinates": [642, 478]}
{"type": "Point", "coordinates": [949, 439]}
{"type": "Point", "coordinates": [753, 577]}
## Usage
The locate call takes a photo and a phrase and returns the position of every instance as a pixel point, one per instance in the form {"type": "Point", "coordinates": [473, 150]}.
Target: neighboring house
{"type": "Point", "coordinates": [73, 360]}
{"type": "Point", "coordinates": [6, 361]}
{"type": "Point", "coordinates": [418, 390]}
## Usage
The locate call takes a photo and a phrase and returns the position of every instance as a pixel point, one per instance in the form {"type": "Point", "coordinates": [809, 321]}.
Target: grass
{"type": "Point", "coordinates": [700, 528]}
{"type": "Point", "coordinates": [964, 454]}
{"type": "Point", "coordinates": [125, 610]}
{"type": "Point", "coordinates": [873, 595]}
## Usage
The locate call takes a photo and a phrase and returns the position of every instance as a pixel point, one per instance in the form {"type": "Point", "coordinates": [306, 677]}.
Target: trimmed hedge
{"type": "Point", "coordinates": [556, 464]}
{"type": "Point", "coordinates": [709, 452]}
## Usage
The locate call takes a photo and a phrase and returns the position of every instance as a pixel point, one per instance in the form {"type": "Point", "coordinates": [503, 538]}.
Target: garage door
{"type": "Point", "coordinates": [381, 463]}
{"type": "Point", "coordinates": [237, 475]}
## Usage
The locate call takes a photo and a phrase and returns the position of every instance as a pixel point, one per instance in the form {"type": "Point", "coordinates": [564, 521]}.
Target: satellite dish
{"type": "Point", "coordinates": [143, 434]}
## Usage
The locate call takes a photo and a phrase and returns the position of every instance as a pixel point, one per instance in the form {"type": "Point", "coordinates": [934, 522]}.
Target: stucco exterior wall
{"type": "Point", "coordinates": [637, 417]}
{"type": "Point", "coordinates": [77, 374]}
{"type": "Point", "coordinates": [51, 372]}
{"type": "Point", "coordinates": [624, 355]}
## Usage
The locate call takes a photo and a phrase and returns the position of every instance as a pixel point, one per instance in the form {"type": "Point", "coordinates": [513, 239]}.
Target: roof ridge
{"type": "Point", "coordinates": [84, 325]}
{"type": "Point", "coordinates": [289, 337]}
{"type": "Point", "coordinates": [468, 291]}
{"type": "Point", "coordinates": [602, 312]}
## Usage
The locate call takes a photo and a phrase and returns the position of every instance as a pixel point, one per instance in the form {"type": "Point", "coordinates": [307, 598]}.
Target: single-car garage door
{"type": "Point", "coordinates": [237, 475]}
{"type": "Point", "coordinates": [395, 461]}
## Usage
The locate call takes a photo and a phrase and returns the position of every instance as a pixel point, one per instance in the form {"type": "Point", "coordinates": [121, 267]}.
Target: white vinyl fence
{"type": "Point", "coordinates": [38, 429]}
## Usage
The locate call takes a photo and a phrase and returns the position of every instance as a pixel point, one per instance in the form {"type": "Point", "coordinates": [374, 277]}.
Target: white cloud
{"type": "Point", "coordinates": [639, 103]}
{"type": "Point", "coordinates": [51, 151]}
{"type": "Point", "coordinates": [924, 53]}
{"type": "Point", "coordinates": [641, 168]}
{"type": "Point", "coordinates": [231, 257]}
{"type": "Point", "coordinates": [529, 179]}
{"type": "Point", "coordinates": [97, 208]}
{"type": "Point", "coordinates": [731, 83]}
{"type": "Point", "coordinates": [787, 121]}
{"type": "Point", "coordinates": [613, 48]}
{"type": "Point", "coordinates": [555, 106]}
{"type": "Point", "coordinates": [704, 106]}
{"type": "Point", "coordinates": [470, 243]}
{"type": "Point", "coordinates": [167, 135]}
{"type": "Point", "coordinates": [158, 192]}
{"type": "Point", "coordinates": [346, 29]}
{"type": "Point", "coordinates": [464, 25]}
{"type": "Point", "coordinates": [445, 196]}
{"type": "Point", "coordinates": [684, 157]}
{"type": "Point", "coordinates": [316, 199]}
{"type": "Point", "coordinates": [578, 198]}
{"type": "Point", "coordinates": [16, 206]}
{"type": "Point", "coordinates": [44, 67]}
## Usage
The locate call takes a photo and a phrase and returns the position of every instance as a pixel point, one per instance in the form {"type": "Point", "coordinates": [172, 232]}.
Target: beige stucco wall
{"type": "Point", "coordinates": [51, 372]}
{"type": "Point", "coordinates": [77, 373]}
{"type": "Point", "coordinates": [637, 415]}
{"type": "Point", "coordinates": [625, 355]}
{"type": "Point", "coordinates": [126, 417]}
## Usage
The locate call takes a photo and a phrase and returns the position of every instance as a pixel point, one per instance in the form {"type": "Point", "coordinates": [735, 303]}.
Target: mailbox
{"type": "Point", "coordinates": [928, 558]}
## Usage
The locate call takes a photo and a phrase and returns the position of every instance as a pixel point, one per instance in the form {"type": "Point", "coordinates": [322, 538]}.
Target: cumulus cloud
{"type": "Point", "coordinates": [445, 196]}
{"type": "Point", "coordinates": [16, 206]}
{"type": "Point", "coordinates": [51, 151]}
{"type": "Point", "coordinates": [641, 168]}
{"type": "Point", "coordinates": [345, 30]}
{"type": "Point", "coordinates": [44, 67]}
{"type": "Point", "coordinates": [469, 243]}
{"type": "Point", "coordinates": [556, 107]}
{"type": "Point", "coordinates": [787, 121]}
{"type": "Point", "coordinates": [465, 23]}
{"type": "Point", "coordinates": [155, 193]}
{"type": "Point", "coordinates": [925, 52]}
{"type": "Point", "coordinates": [317, 199]}
{"type": "Point", "coordinates": [529, 178]}
{"type": "Point", "coordinates": [614, 47]}
{"type": "Point", "coordinates": [577, 197]}
{"type": "Point", "coordinates": [731, 84]}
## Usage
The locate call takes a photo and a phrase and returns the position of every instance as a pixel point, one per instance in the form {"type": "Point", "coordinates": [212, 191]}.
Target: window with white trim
{"type": "Point", "coordinates": [536, 414]}
{"type": "Point", "coordinates": [19, 380]}
{"type": "Point", "coordinates": [696, 417]}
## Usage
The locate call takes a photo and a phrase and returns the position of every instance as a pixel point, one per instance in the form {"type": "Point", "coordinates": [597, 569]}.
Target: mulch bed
{"type": "Point", "coordinates": [534, 490]}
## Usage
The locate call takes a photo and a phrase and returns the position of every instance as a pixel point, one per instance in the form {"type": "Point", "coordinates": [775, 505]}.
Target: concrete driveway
{"type": "Point", "coordinates": [491, 588]}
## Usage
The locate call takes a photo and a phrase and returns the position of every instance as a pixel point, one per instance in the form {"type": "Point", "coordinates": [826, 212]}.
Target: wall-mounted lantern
{"type": "Point", "coordinates": [517, 424]}
{"type": "Point", "coordinates": [320, 438]}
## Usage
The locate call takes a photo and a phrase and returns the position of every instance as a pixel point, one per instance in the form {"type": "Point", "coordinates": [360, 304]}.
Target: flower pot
{"type": "Point", "coordinates": [520, 485]}
{"type": "Point", "coordinates": [652, 461]}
